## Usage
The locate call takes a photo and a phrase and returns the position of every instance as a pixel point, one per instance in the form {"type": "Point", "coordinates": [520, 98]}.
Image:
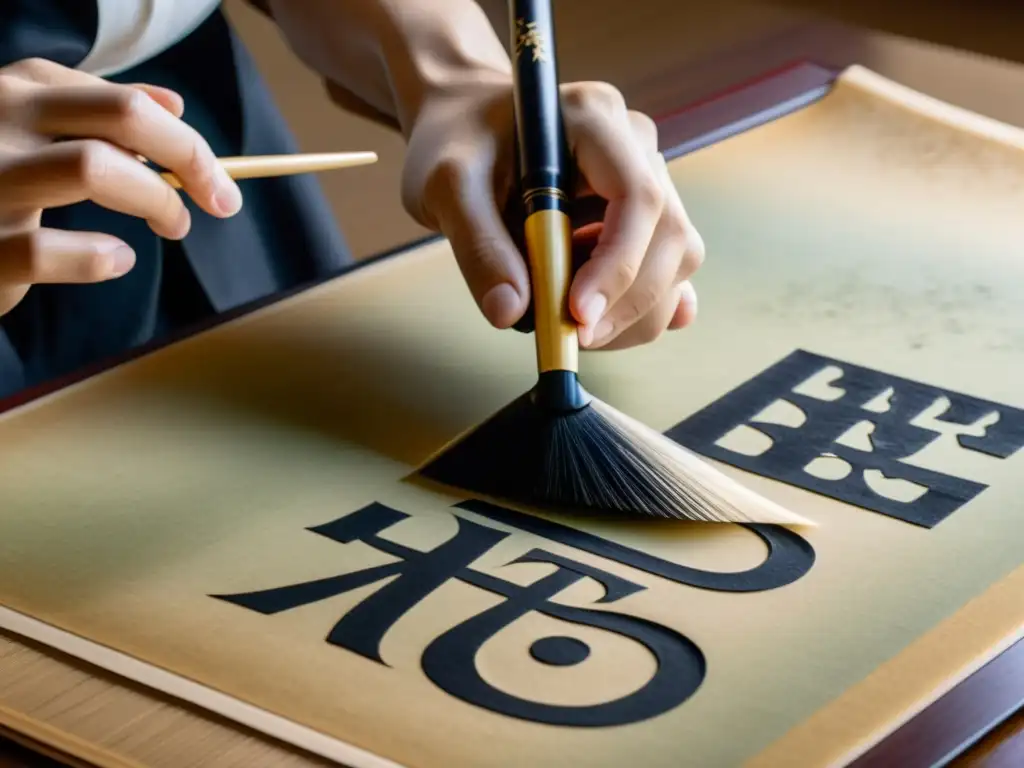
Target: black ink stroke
{"type": "Point", "coordinates": [450, 659]}
{"type": "Point", "coordinates": [893, 438]}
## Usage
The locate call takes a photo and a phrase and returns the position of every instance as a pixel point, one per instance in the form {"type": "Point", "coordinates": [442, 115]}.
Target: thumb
{"type": "Point", "coordinates": [491, 264]}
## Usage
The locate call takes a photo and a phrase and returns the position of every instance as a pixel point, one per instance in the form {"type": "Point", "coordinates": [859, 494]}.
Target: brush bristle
{"type": "Point", "coordinates": [595, 459]}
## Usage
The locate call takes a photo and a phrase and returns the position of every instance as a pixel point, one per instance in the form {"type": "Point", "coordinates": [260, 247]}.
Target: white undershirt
{"type": "Point", "coordinates": [132, 31]}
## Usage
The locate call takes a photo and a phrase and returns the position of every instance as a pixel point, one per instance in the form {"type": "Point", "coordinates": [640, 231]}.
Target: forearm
{"type": "Point", "coordinates": [394, 54]}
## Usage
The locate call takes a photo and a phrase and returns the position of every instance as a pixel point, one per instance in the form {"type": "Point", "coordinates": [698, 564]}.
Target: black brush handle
{"type": "Point", "coordinates": [545, 164]}
{"type": "Point", "coordinates": [546, 171]}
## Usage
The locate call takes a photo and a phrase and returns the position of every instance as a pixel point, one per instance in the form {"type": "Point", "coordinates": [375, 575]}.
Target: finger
{"type": "Point", "coordinates": [467, 213]}
{"type": "Point", "coordinates": [654, 281]}
{"type": "Point", "coordinates": [686, 309]}
{"type": "Point", "coordinates": [71, 172]}
{"type": "Point", "coordinates": [49, 73]}
{"type": "Point", "coordinates": [617, 169]}
{"type": "Point", "coordinates": [13, 91]}
{"type": "Point", "coordinates": [643, 127]}
{"type": "Point", "coordinates": [131, 119]}
{"type": "Point", "coordinates": [165, 97]}
{"type": "Point", "coordinates": [695, 253]}
{"type": "Point", "coordinates": [18, 81]}
{"type": "Point", "coordinates": [40, 72]}
{"type": "Point", "coordinates": [657, 321]}
{"type": "Point", "coordinates": [675, 253]}
{"type": "Point", "coordinates": [656, 277]}
{"type": "Point", "coordinates": [58, 256]}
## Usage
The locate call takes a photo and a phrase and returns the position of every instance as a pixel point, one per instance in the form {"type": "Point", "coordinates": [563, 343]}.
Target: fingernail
{"type": "Point", "coordinates": [228, 197]}
{"type": "Point", "coordinates": [585, 334]}
{"type": "Point", "coordinates": [499, 304]}
{"type": "Point", "coordinates": [603, 330]}
{"type": "Point", "coordinates": [593, 308]}
{"type": "Point", "coordinates": [686, 308]}
{"type": "Point", "coordinates": [690, 297]}
{"type": "Point", "coordinates": [122, 260]}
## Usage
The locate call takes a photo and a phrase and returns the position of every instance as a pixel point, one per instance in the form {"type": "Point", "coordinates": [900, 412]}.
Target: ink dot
{"type": "Point", "coordinates": [559, 651]}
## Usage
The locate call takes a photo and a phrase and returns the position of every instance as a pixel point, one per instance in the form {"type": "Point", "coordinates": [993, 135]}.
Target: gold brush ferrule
{"type": "Point", "coordinates": [549, 250]}
{"type": "Point", "coordinates": [545, 171]}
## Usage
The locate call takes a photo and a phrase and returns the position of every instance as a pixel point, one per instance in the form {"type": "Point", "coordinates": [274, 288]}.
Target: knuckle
{"type": "Point", "coordinates": [622, 273]}
{"type": "Point", "coordinates": [485, 250]}
{"type": "Point", "coordinates": [694, 256]}
{"type": "Point", "coordinates": [451, 174]}
{"type": "Point", "coordinates": [642, 121]}
{"type": "Point", "coordinates": [199, 164]}
{"type": "Point", "coordinates": [33, 253]}
{"type": "Point", "coordinates": [644, 126]}
{"type": "Point", "coordinates": [648, 192]}
{"type": "Point", "coordinates": [675, 228]}
{"type": "Point", "coordinates": [484, 262]}
{"type": "Point", "coordinates": [8, 87]}
{"type": "Point", "coordinates": [594, 97]}
{"type": "Point", "coordinates": [639, 302]}
{"type": "Point", "coordinates": [128, 106]}
{"type": "Point", "coordinates": [32, 66]}
{"type": "Point", "coordinates": [92, 161]}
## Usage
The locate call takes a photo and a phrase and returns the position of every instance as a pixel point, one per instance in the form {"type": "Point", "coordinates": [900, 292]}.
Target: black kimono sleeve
{"type": "Point", "coordinates": [284, 236]}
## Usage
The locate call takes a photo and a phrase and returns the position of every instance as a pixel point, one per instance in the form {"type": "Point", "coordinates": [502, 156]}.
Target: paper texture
{"type": "Point", "coordinates": [866, 228]}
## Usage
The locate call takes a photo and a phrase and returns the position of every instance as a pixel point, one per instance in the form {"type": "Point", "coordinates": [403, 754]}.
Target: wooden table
{"type": "Point", "coordinates": [974, 724]}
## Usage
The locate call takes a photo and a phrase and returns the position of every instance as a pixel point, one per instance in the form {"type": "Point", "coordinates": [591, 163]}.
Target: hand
{"type": "Point", "coordinates": [460, 176]}
{"type": "Point", "coordinates": [67, 137]}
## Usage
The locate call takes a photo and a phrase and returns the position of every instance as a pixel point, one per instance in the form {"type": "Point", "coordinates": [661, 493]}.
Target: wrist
{"type": "Point", "coordinates": [395, 55]}
{"type": "Point", "coordinates": [440, 50]}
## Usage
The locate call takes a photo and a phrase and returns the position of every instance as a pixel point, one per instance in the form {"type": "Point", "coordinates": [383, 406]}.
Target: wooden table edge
{"type": "Point", "coordinates": [950, 725]}
{"type": "Point", "coordinates": [23, 749]}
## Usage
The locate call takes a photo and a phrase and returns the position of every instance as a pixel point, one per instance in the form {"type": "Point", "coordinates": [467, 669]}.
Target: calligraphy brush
{"type": "Point", "coordinates": [557, 445]}
{"type": "Point", "coordinates": [265, 166]}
